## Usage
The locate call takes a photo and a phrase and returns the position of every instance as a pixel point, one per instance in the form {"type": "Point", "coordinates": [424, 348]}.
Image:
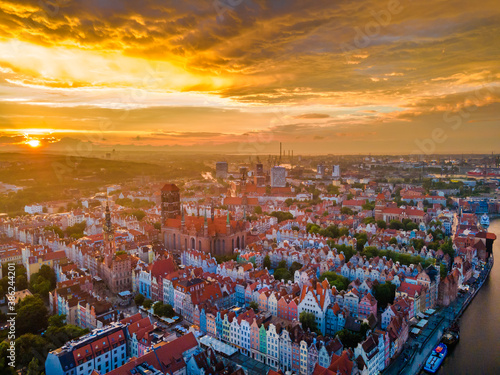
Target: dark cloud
{"type": "Point", "coordinates": [358, 76]}
{"type": "Point", "coordinates": [312, 116]}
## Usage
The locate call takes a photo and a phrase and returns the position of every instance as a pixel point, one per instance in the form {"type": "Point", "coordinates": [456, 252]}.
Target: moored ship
{"type": "Point", "coordinates": [485, 221]}
{"type": "Point", "coordinates": [436, 358]}
{"type": "Point", "coordinates": [452, 335]}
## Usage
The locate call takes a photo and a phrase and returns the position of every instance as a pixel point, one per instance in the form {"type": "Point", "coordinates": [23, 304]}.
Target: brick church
{"type": "Point", "coordinates": [215, 235]}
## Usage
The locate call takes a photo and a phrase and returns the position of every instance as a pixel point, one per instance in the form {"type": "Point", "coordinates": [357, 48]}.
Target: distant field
{"type": "Point", "coordinates": [48, 177]}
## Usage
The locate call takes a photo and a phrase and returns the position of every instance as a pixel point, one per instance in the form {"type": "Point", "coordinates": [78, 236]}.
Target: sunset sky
{"type": "Point", "coordinates": [322, 76]}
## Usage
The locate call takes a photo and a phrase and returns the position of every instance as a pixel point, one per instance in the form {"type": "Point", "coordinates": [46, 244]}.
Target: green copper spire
{"type": "Point", "coordinates": [227, 221]}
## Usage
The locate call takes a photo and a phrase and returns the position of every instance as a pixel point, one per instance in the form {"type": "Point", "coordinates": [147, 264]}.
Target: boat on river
{"type": "Point", "coordinates": [436, 358]}
{"type": "Point", "coordinates": [452, 335]}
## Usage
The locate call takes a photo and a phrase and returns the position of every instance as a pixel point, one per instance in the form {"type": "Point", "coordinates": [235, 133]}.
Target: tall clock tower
{"type": "Point", "coordinates": [108, 234]}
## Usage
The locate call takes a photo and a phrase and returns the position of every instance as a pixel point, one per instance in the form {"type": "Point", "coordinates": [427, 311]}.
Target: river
{"type": "Point", "coordinates": [478, 351]}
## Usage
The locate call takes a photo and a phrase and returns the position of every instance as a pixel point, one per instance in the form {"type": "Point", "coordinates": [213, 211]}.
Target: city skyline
{"type": "Point", "coordinates": [351, 77]}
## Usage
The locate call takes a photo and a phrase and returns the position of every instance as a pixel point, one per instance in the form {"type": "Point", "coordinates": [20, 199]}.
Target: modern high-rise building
{"type": "Point", "coordinates": [278, 177]}
{"type": "Point", "coordinates": [221, 169]}
{"type": "Point", "coordinates": [170, 202]}
{"type": "Point", "coordinates": [336, 171]}
{"type": "Point", "coordinates": [321, 170]}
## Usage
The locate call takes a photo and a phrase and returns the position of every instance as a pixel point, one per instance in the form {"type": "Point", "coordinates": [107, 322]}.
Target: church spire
{"type": "Point", "coordinates": [108, 226]}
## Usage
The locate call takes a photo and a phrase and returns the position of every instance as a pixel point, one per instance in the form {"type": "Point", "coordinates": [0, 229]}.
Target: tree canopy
{"type": "Point", "coordinates": [308, 320]}
{"type": "Point", "coordinates": [384, 294]}
{"type": "Point", "coordinates": [340, 282]}
{"type": "Point", "coordinates": [32, 315]}
{"type": "Point", "coordinates": [282, 216]}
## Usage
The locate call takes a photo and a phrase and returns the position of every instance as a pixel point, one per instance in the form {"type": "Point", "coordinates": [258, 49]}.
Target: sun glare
{"type": "Point", "coordinates": [33, 143]}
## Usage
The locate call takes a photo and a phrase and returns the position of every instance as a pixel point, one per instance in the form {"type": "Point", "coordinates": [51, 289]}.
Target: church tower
{"type": "Point", "coordinates": [170, 202]}
{"type": "Point", "coordinates": [108, 234]}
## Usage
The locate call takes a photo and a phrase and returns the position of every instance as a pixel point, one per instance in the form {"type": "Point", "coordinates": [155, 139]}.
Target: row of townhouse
{"type": "Point", "coordinates": [195, 258]}
{"type": "Point", "coordinates": [277, 343]}
{"type": "Point", "coordinates": [234, 270]}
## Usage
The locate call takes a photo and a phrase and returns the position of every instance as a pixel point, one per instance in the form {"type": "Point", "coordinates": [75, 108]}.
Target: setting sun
{"type": "Point", "coordinates": [33, 143]}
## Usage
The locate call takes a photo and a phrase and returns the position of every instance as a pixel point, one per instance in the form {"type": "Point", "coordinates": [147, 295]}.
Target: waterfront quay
{"type": "Point", "coordinates": [417, 349]}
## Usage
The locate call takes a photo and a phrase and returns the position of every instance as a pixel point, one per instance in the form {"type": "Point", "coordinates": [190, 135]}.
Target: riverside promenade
{"type": "Point", "coordinates": [416, 350]}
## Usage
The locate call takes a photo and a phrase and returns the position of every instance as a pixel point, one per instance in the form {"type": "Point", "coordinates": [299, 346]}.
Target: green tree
{"type": "Point", "coordinates": [369, 206]}
{"type": "Point", "coordinates": [57, 320]}
{"type": "Point", "coordinates": [32, 315]}
{"type": "Point", "coordinates": [43, 281]}
{"type": "Point", "coordinates": [34, 368]}
{"type": "Point", "coordinates": [369, 220]}
{"type": "Point", "coordinates": [396, 224]}
{"type": "Point", "coordinates": [282, 216]}
{"type": "Point", "coordinates": [139, 214]}
{"type": "Point", "coordinates": [308, 320]}
{"type": "Point", "coordinates": [21, 282]}
{"type": "Point", "coordinates": [447, 248]}
{"type": "Point", "coordinates": [139, 299]}
{"type": "Point", "coordinates": [384, 294]}
{"type": "Point", "coordinates": [381, 224]}
{"type": "Point", "coordinates": [254, 305]}
{"type": "Point", "coordinates": [346, 211]}
{"type": "Point", "coordinates": [147, 303]}
{"type": "Point", "coordinates": [167, 310]}
{"type": "Point", "coordinates": [161, 309]}
{"type": "Point", "coordinates": [332, 189]}
{"type": "Point", "coordinates": [362, 239]}
{"type": "Point", "coordinates": [29, 346]}
{"type": "Point", "coordinates": [313, 228]}
{"type": "Point", "coordinates": [340, 282]}
{"type": "Point", "coordinates": [282, 274]}
{"type": "Point", "coordinates": [76, 231]}
{"type": "Point", "coordinates": [267, 262]}
{"type": "Point", "coordinates": [158, 308]}
{"type": "Point", "coordinates": [351, 339]}
{"type": "Point", "coordinates": [417, 243]}
{"type": "Point", "coordinates": [282, 264]}
{"type": "Point", "coordinates": [443, 271]}
{"type": "Point", "coordinates": [5, 369]}
{"type": "Point", "coordinates": [57, 230]}
{"type": "Point", "coordinates": [258, 210]}
{"type": "Point", "coordinates": [295, 267]}
{"type": "Point", "coordinates": [59, 335]}
{"type": "Point", "coordinates": [393, 241]}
